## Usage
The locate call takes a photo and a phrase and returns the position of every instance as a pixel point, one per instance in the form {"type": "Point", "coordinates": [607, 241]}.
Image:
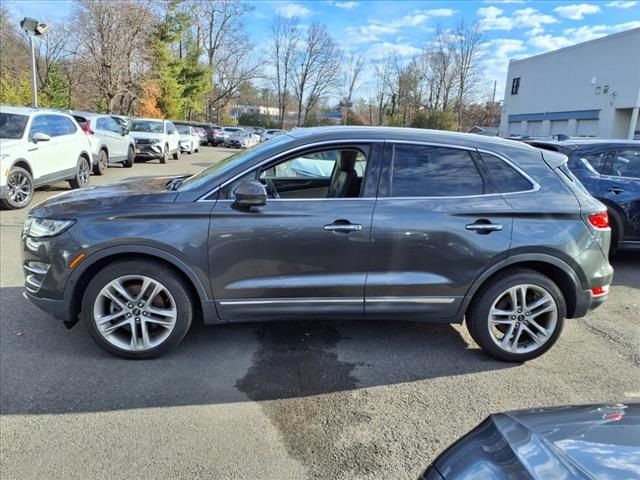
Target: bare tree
{"type": "Point", "coordinates": [285, 36]}
{"type": "Point", "coordinates": [467, 55]}
{"type": "Point", "coordinates": [352, 70]}
{"type": "Point", "coordinates": [316, 70]}
{"type": "Point", "coordinates": [113, 36]}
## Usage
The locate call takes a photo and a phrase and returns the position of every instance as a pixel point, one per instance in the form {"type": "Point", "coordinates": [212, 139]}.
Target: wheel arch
{"type": "Point", "coordinates": [22, 163]}
{"type": "Point", "coordinates": [561, 273]}
{"type": "Point", "coordinates": [615, 212]}
{"type": "Point", "coordinates": [79, 279]}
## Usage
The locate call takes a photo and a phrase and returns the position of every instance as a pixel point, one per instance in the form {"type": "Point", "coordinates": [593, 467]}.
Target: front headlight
{"type": "Point", "coordinates": [45, 227]}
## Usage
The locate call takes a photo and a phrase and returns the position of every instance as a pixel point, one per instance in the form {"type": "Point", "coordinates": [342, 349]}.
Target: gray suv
{"type": "Point", "coordinates": [334, 223]}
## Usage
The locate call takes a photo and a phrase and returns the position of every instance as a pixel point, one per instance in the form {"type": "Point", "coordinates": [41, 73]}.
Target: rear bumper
{"type": "Point", "coordinates": [586, 302]}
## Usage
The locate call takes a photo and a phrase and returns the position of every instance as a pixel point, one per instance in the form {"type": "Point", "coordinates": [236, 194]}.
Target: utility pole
{"type": "Point", "coordinates": [33, 28]}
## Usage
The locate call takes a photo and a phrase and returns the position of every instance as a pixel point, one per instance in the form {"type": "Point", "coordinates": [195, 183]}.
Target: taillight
{"type": "Point", "coordinates": [86, 128]}
{"type": "Point", "coordinates": [598, 291]}
{"type": "Point", "coordinates": [599, 220]}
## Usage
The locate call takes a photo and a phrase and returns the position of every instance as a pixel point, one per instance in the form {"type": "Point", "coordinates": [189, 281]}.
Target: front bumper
{"type": "Point", "coordinates": [58, 309]}
{"type": "Point", "coordinates": [148, 151]}
{"type": "Point", "coordinates": [3, 192]}
{"type": "Point", "coordinates": [185, 147]}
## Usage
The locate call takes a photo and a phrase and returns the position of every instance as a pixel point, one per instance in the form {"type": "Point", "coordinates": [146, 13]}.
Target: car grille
{"type": "Point", "coordinates": [143, 141]}
{"type": "Point", "coordinates": [34, 273]}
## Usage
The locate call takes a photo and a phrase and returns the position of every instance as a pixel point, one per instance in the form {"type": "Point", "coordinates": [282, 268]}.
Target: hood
{"type": "Point", "coordinates": [145, 135]}
{"type": "Point", "coordinates": [104, 197]}
{"type": "Point", "coordinates": [587, 442]}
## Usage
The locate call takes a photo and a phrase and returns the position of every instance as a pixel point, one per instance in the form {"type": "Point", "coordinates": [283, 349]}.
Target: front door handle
{"type": "Point", "coordinates": [483, 227]}
{"type": "Point", "coordinates": [616, 190]}
{"type": "Point", "coordinates": [343, 226]}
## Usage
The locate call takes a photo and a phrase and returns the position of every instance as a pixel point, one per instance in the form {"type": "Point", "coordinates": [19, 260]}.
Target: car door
{"type": "Point", "coordinates": [302, 256]}
{"type": "Point", "coordinates": [437, 225]}
{"type": "Point", "coordinates": [107, 136]}
{"type": "Point", "coordinates": [621, 186]}
{"type": "Point", "coordinates": [174, 137]}
{"type": "Point", "coordinates": [588, 166]}
{"type": "Point", "coordinates": [45, 155]}
{"type": "Point", "coordinates": [119, 142]}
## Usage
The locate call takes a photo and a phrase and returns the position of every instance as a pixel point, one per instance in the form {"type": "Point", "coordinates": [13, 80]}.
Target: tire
{"type": "Point", "coordinates": [165, 154]}
{"type": "Point", "coordinates": [176, 154]}
{"type": "Point", "coordinates": [486, 332]}
{"type": "Point", "coordinates": [83, 171]}
{"type": "Point", "coordinates": [173, 300]}
{"type": "Point", "coordinates": [128, 163]}
{"type": "Point", "coordinates": [615, 234]}
{"type": "Point", "coordinates": [19, 189]}
{"type": "Point", "coordinates": [102, 164]}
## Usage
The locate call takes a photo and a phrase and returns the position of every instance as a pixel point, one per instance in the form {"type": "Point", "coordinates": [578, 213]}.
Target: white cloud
{"type": "Point", "coordinates": [381, 50]}
{"type": "Point", "coordinates": [492, 18]}
{"type": "Point", "coordinates": [571, 36]}
{"type": "Point", "coordinates": [346, 5]}
{"type": "Point", "coordinates": [577, 11]}
{"type": "Point", "coordinates": [290, 10]}
{"type": "Point", "coordinates": [622, 4]}
{"type": "Point", "coordinates": [504, 47]}
{"type": "Point", "coordinates": [549, 42]}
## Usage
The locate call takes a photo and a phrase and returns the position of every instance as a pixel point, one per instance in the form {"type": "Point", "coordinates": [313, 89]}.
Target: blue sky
{"type": "Point", "coordinates": [511, 28]}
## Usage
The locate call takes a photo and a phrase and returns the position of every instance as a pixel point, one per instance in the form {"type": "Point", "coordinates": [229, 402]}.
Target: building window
{"type": "Point", "coordinates": [605, 90]}
{"type": "Point", "coordinates": [515, 86]}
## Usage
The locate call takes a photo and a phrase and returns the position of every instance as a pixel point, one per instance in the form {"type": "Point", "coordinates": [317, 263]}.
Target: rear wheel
{"type": "Point", "coordinates": [518, 316]}
{"type": "Point", "coordinates": [19, 189]}
{"type": "Point", "coordinates": [102, 164]}
{"type": "Point", "coordinates": [176, 154]}
{"type": "Point", "coordinates": [137, 309]}
{"type": "Point", "coordinates": [128, 163]}
{"type": "Point", "coordinates": [81, 178]}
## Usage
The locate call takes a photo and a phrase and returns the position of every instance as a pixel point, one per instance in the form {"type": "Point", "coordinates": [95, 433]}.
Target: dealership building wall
{"type": "Point", "coordinates": [588, 89]}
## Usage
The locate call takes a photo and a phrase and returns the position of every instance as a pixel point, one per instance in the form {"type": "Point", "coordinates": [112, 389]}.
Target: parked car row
{"type": "Point", "coordinates": [81, 143]}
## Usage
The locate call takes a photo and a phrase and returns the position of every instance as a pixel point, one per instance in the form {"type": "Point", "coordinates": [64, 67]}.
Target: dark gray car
{"type": "Point", "coordinates": [573, 443]}
{"type": "Point", "coordinates": [382, 223]}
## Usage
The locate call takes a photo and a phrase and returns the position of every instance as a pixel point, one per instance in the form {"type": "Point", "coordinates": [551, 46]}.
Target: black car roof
{"type": "Point", "coordinates": [585, 144]}
{"type": "Point", "coordinates": [470, 140]}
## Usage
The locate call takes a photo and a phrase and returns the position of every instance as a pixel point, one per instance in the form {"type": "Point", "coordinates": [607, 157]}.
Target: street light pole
{"type": "Point", "coordinates": [34, 85]}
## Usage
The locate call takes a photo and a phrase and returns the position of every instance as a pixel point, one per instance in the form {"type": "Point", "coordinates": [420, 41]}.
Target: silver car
{"type": "Point", "coordinates": [110, 142]}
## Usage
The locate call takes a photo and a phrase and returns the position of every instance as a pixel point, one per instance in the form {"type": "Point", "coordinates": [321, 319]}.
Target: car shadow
{"type": "Point", "coordinates": [45, 368]}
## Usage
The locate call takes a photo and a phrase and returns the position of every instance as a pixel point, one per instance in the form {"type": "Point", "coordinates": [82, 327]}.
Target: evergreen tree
{"type": "Point", "coordinates": [55, 91]}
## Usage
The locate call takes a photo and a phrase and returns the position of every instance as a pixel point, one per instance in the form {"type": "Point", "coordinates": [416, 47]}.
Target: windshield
{"type": "Point", "coordinates": [183, 129]}
{"type": "Point", "coordinates": [12, 125]}
{"type": "Point", "coordinates": [147, 126]}
{"type": "Point", "coordinates": [221, 167]}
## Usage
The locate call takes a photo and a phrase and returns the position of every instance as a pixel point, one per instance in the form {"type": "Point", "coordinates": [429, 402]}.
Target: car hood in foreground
{"type": "Point", "coordinates": [587, 442]}
{"type": "Point", "coordinates": [87, 200]}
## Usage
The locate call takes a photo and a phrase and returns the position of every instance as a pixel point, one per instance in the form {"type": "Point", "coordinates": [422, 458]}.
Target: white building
{"type": "Point", "coordinates": [588, 89]}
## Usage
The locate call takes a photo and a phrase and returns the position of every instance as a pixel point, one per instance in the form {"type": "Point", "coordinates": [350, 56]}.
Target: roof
{"type": "Point", "coordinates": [408, 134]}
{"type": "Point", "coordinates": [590, 142]}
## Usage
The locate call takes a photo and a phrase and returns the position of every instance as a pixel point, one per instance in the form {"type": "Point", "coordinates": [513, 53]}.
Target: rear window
{"type": "Point", "coordinates": [506, 178]}
{"type": "Point", "coordinates": [424, 171]}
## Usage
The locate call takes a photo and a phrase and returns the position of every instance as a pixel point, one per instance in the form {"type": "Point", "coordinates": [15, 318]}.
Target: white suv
{"type": "Point", "coordinates": [155, 138]}
{"type": "Point", "coordinates": [110, 142]}
{"type": "Point", "coordinates": [39, 147]}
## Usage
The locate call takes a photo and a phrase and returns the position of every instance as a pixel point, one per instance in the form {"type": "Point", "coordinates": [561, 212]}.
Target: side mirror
{"type": "Point", "coordinates": [124, 131]}
{"type": "Point", "coordinates": [250, 194]}
{"type": "Point", "coordinates": [40, 137]}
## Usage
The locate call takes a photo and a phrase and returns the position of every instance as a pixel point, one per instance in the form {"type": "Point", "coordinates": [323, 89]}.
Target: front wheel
{"type": "Point", "coordinates": [176, 154]}
{"type": "Point", "coordinates": [81, 178]}
{"type": "Point", "coordinates": [518, 316]}
{"type": "Point", "coordinates": [19, 189]}
{"type": "Point", "coordinates": [165, 155]}
{"type": "Point", "coordinates": [137, 309]}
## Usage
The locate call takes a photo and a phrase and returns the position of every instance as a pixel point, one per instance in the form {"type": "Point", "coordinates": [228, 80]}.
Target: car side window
{"type": "Point", "coordinates": [70, 125]}
{"type": "Point", "coordinates": [626, 163]}
{"type": "Point", "coordinates": [426, 171]}
{"type": "Point", "coordinates": [595, 162]}
{"type": "Point", "coordinates": [112, 125]}
{"type": "Point", "coordinates": [101, 124]}
{"type": "Point", "coordinates": [40, 125]}
{"type": "Point", "coordinates": [171, 129]}
{"type": "Point", "coordinates": [57, 125]}
{"type": "Point", "coordinates": [506, 178]}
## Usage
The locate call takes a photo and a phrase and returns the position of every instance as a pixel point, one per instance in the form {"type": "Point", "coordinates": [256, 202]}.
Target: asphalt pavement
{"type": "Point", "coordinates": [290, 400]}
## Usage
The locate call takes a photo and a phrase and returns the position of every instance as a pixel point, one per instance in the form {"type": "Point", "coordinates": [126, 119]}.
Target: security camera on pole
{"type": "Point", "coordinates": [33, 28]}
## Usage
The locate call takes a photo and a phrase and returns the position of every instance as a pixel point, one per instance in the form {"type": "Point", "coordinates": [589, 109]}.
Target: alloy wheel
{"type": "Point", "coordinates": [83, 172]}
{"type": "Point", "coordinates": [135, 313]}
{"type": "Point", "coordinates": [523, 318]}
{"type": "Point", "coordinates": [19, 188]}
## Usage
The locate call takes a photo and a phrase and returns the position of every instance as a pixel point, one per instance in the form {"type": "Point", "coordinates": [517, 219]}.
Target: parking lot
{"type": "Point", "coordinates": [317, 400]}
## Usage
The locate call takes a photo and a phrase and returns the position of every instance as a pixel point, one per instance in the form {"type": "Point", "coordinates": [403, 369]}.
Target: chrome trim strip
{"type": "Point", "coordinates": [35, 270]}
{"type": "Point", "coordinates": [291, 301]}
{"type": "Point", "coordinates": [283, 154]}
{"type": "Point", "coordinates": [33, 282]}
{"type": "Point", "coordinates": [273, 301]}
{"type": "Point", "coordinates": [410, 300]}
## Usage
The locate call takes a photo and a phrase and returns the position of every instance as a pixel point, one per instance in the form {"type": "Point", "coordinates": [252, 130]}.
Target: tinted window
{"type": "Point", "coordinates": [101, 124]}
{"type": "Point", "coordinates": [626, 164]}
{"type": "Point", "coordinates": [595, 162]}
{"type": "Point", "coordinates": [57, 125]}
{"type": "Point", "coordinates": [422, 171]}
{"type": "Point", "coordinates": [40, 125]}
{"type": "Point", "coordinates": [147, 126]}
{"type": "Point", "coordinates": [112, 125]}
{"type": "Point", "coordinates": [12, 125]}
{"type": "Point", "coordinates": [171, 128]}
{"type": "Point", "coordinates": [505, 177]}
{"type": "Point", "coordinates": [70, 125]}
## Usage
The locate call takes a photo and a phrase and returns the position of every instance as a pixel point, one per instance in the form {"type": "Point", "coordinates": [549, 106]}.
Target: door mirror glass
{"type": "Point", "coordinates": [40, 137]}
{"type": "Point", "coordinates": [250, 194]}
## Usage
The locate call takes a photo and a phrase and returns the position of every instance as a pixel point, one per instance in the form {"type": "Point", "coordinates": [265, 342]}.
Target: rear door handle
{"type": "Point", "coordinates": [484, 228]}
{"type": "Point", "coordinates": [616, 190]}
{"type": "Point", "coordinates": [342, 226]}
